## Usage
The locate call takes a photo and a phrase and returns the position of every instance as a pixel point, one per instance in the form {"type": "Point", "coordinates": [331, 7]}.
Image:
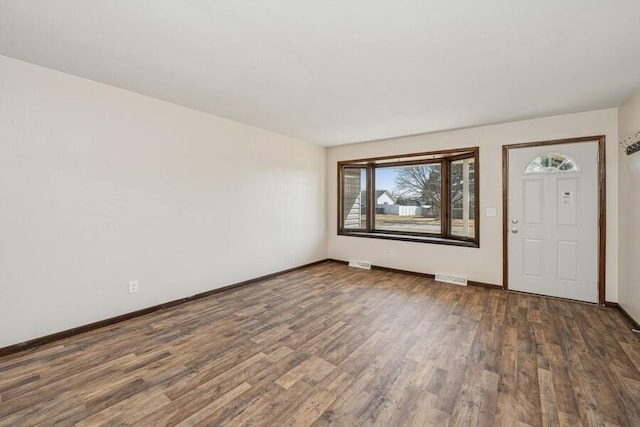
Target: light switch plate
{"type": "Point", "coordinates": [491, 212]}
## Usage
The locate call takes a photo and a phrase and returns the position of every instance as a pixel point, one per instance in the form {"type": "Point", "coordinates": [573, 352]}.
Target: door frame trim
{"type": "Point", "coordinates": [602, 205]}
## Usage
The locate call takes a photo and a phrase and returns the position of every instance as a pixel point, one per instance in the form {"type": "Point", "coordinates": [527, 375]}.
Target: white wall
{"type": "Point", "coordinates": [629, 247]}
{"type": "Point", "coordinates": [99, 186]}
{"type": "Point", "coordinates": [482, 264]}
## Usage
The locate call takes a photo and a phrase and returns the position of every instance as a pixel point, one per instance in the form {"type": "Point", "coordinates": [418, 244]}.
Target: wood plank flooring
{"type": "Point", "coordinates": [331, 345]}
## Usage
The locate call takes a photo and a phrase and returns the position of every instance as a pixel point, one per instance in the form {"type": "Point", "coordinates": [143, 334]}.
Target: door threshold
{"type": "Point", "coordinates": [554, 297]}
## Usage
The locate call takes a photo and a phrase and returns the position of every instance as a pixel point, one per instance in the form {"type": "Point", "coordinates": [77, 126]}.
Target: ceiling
{"type": "Point", "coordinates": [341, 71]}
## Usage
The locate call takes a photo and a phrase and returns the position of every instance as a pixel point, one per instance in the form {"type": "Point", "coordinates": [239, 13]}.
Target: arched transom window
{"type": "Point", "coordinates": [552, 162]}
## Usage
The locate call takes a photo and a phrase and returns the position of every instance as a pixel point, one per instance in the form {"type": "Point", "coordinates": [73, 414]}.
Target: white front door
{"type": "Point", "coordinates": [553, 220]}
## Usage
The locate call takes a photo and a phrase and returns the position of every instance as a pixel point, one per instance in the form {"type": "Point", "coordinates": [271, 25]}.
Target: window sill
{"type": "Point", "coordinates": [411, 238]}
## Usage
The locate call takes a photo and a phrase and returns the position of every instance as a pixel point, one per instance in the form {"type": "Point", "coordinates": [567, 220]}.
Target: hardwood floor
{"type": "Point", "coordinates": [331, 345]}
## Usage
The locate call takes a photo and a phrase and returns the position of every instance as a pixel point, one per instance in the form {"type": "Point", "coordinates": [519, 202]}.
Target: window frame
{"type": "Point", "coordinates": [442, 157]}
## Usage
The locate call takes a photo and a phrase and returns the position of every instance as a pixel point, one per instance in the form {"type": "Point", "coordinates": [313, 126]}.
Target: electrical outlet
{"type": "Point", "coordinates": [392, 253]}
{"type": "Point", "coordinates": [291, 253]}
{"type": "Point", "coordinates": [133, 286]}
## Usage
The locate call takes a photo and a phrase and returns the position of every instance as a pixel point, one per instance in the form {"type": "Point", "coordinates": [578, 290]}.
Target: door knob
{"type": "Point", "coordinates": [514, 220]}
{"type": "Point", "coordinates": [514, 230]}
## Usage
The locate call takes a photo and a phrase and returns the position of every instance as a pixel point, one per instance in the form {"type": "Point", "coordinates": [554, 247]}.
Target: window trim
{"type": "Point", "coordinates": [442, 157]}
